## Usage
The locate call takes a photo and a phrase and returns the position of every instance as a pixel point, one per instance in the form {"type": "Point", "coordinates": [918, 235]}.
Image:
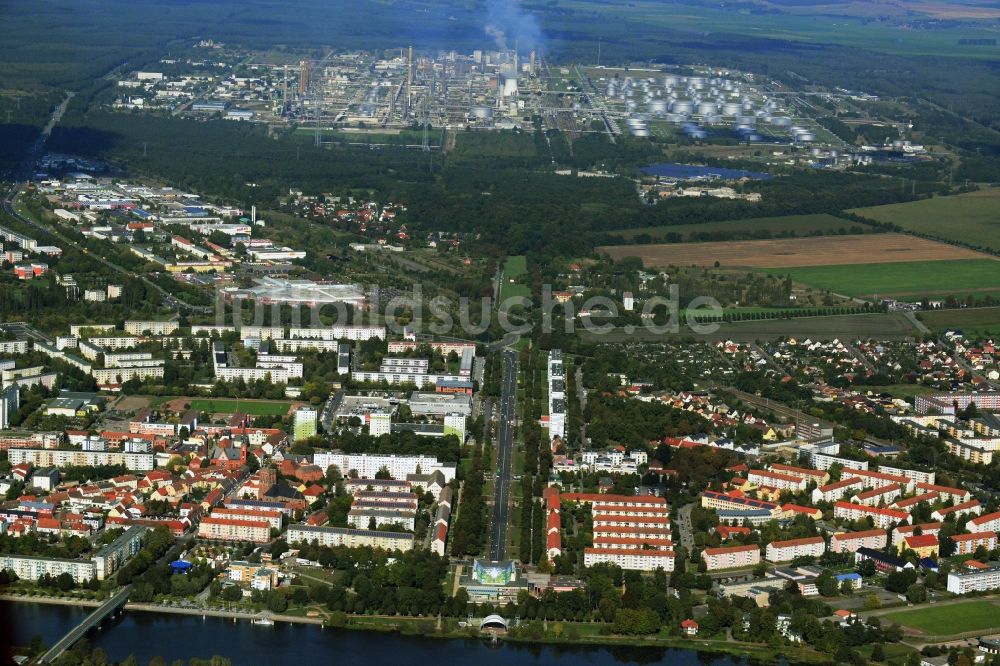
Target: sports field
{"type": "Point", "coordinates": [231, 406]}
{"type": "Point", "coordinates": [972, 218]}
{"type": "Point", "coordinates": [800, 225]}
{"type": "Point", "coordinates": [789, 252]}
{"type": "Point", "coordinates": [973, 322]}
{"type": "Point", "coordinates": [946, 620]}
{"type": "Point", "coordinates": [910, 280]}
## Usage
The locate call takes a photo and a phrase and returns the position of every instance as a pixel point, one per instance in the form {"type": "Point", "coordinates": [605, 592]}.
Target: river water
{"type": "Point", "coordinates": [183, 636]}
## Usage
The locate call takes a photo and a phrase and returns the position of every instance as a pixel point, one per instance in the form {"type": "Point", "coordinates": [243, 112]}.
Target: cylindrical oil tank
{"type": "Point", "coordinates": [731, 109]}
{"type": "Point", "coordinates": [658, 106]}
{"type": "Point", "coordinates": [705, 108]}
{"type": "Point", "coordinates": [682, 106]}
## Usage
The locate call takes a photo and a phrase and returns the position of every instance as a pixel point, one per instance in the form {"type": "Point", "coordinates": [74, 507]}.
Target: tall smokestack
{"type": "Point", "coordinates": [531, 67]}
{"type": "Point", "coordinates": [409, 69]}
{"type": "Point", "coordinates": [303, 77]}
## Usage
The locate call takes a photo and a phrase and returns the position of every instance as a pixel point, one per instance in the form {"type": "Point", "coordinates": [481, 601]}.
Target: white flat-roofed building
{"type": "Point", "coordinates": [308, 344]}
{"type": "Point", "coordinates": [262, 332]}
{"type": "Point", "coordinates": [379, 423]}
{"type": "Point", "coordinates": [439, 404]}
{"type": "Point", "coordinates": [367, 465]}
{"type": "Point", "coordinates": [111, 343]}
{"type": "Point", "coordinates": [105, 376]}
{"type": "Point", "coordinates": [916, 475]}
{"type": "Point", "coordinates": [14, 347]}
{"type": "Point", "coordinates": [73, 458]}
{"type": "Point", "coordinates": [391, 362]}
{"type": "Point", "coordinates": [140, 327]}
{"type": "Point", "coordinates": [362, 517]}
{"type": "Point", "coordinates": [276, 375]}
{"type": "Point", "coordinates": [339, 332]}
{"type": "Point", "coordinates": [33, 568]}
{"type": "Point", "coordinates": [633, 559]}
{"type": "Point", "coordinates": [272, 518]}
{"type": "Point", "coordinates": [825, 461]}
{"type": "Point", "coordinates": [352, 538]}
{"type": "Point", "coordinates": [981, 580]}
{"type": "Point", "coordinates": [398, 378]}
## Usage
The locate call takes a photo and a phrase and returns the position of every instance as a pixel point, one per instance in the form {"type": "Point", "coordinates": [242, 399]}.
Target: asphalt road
{"type": "Point", "coordinates": [505, 458]}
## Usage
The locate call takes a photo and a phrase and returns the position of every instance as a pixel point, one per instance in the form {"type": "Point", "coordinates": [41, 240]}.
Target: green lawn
{"type": "Point", "coordinates": [800, 225]}
{"type": "Point", "coordinates": [910, 280]}
{"type": "Point", "coordinates": [972, 218]}
{"type": "Point", "coordinates": [515, 268]}
{"type": "Point", "coordinates": [252, 407]}
{"type": "Point", "coordinates": [974, 322]}
{"type": "Point", "coordinates": [950, 619]}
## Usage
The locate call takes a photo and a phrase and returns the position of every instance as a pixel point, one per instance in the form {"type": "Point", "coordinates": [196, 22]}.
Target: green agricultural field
{"type": "Point", "coordinates": [805, 26]}
{"type": "Point", "coordinates": [972, 218]}
{"type": "Point", "coordinates": [909, 280]}
{"type": "Point", "coordinates": [252, 407]}
{"type": "Point", "coordinates": [974, 322]}
{"type": "Point", "coordinates": [799, 225]}
{"type": "Point", "coordinates": [947, 620]}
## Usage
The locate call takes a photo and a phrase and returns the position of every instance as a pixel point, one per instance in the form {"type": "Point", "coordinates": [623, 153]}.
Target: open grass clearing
{"type": "Point", "coordinates": [909, 280]}
{"type": "Point", "coordinates": [949, 619]}
{"type": "Point", "coordinates": [972, 218]}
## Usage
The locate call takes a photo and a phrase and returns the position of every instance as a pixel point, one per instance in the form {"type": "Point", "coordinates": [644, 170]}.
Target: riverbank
{"type": "Point", "coordinates": [572, 634]}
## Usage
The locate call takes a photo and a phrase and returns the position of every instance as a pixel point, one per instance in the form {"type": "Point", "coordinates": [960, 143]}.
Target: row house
{"type": "Point", "coordinates": [903, 531]}
{"type": "Point", "coordinates": [784, 551]}
{"type": "Point", "coordinates": [632, 559]}
{"type": "Point", "coordinates": [989, 522]}
{"type": "Point", "coordinates": [881, 517]}
{"type": "Point", "coordinates": [878, 496]}
{"type": "Point", "coordinates": [849, 542]}
{"type": "Point", "coordinates": [972, 507]}
{"type": "Point", "coordinates": [837, 490]}
{"type": "Point", "coordinates": [878, 479]}
{"type": "Point", "coordinates": [966, 544]}
{"type": "Point", "coordinates": [731, 557]}
{"type": "Point", "coordinates": [761, 477]}
{"type": "Point", "coordinates": [946, 493]}
{"type": "Point", "coordinates": [910, 502]}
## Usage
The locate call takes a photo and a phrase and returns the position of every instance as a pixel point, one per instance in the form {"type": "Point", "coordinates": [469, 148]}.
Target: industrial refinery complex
{"type": "Point", "coordinates": [357, 96]}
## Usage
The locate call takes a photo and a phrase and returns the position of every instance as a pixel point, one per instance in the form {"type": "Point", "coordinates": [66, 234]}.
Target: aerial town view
{"type": "Point", "coordinates": [500, 332]}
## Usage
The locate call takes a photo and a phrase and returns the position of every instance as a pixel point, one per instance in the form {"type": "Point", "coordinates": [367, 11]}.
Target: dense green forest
{"type": "Point", "coordinates": [513, 199]}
